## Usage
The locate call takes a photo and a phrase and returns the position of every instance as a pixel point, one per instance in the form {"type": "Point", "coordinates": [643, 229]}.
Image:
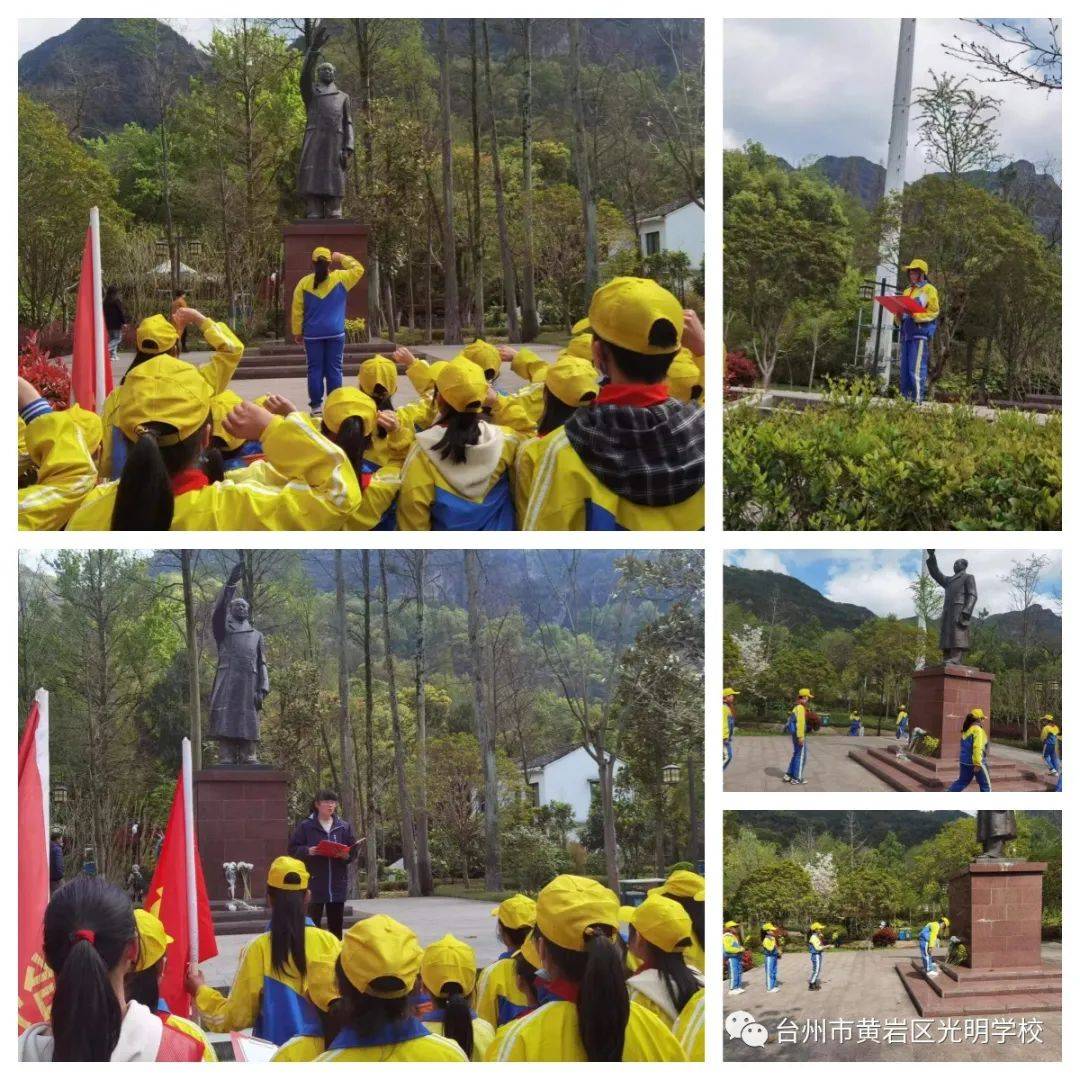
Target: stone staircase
{"type": "Point", "coordinates": [961, 991]}
{"type": "Point", "coordinates": [287, 360]}
{"type": "Point", "coordinates": [912, 772]}
{"type": "Point", "coordinates": [255, 922]}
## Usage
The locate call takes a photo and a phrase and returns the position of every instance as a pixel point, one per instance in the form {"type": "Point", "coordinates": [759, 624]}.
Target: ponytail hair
{"type": "Point", "coordinates": [383, 401]}
{"type": "Point", "coordinates": [144, 496]}
{"type": "Point", "coordinates": [556, 413]}
{"type": "Point", "coordinates": [526, 974]}
{"type": "Point", "coordinates": [287, 928]}
{"type": "Point", "coordinates": [351, 438]}
{"type": "Point", "coordinates": [678, 979]}
{"type": "Point", "coordinates": [603, 1006]}
{"type": "Point", "coordinates": [457, 1016]}
{"type": "Point", "coordinates": [322, 271]}
{"type": "Point", "coordinates": [696, 910]}
{"type": "Point", "coordinates": [142, 986]}
{"type": "Point", "coordinates": [366, 1014]}
{"type": "Point", "coordinates": [89, 925]}
{"type": "Point", "coordinates": [462, 431]}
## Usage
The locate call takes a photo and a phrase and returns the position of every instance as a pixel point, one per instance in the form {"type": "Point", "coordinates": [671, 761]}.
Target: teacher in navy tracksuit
{"type": "Point", "coordinates": [329, 882]}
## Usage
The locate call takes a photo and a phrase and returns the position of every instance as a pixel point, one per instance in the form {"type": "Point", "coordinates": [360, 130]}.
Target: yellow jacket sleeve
{"type": "Point", "coordinates": [228, 349]}
{"type": "Point", "coordinates": [108, 422]}
{"type": "Point", "coordinates": [800, 721]}
{"type": "Point", "coordinates": [932, 306]}
{"type": "Point", "coordinates": [419, 374]}
{"type": "Point", "coordinates": [487, 990]}
{"type": "Point", "coordinates": [241, 1008]}
{"type": "Point", "coordinates": [689, 1027]}
{"type": "Point", "coordinates": [378, 497]}
{"type": "Point", "coordinates": [66, 472]}
{"type": "Point", "coordinates": [417, 493]}
{"type": "Point", "coordinates": [350, 273]}
{"type": "Point", "coordinates": [513, 411]}
{"type": "Point", "coordinates": [322, 950]}
{"type": "Point", "coordinates": [524, 470]}
{"type": "Point", "coordinates": [527, 365]}
{"type": "Point", "coordinates": [298, 307]}
{"type": "Point", "coordinates": [978, 745]}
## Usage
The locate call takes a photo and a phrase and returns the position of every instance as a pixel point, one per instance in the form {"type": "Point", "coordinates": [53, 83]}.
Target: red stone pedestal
{"type": "Point", "coordinates": [241, 815]}
{"type": "Point", "coordinates": [301, 238]}
{"type": "Point", "coordinates": [939, 699]}
{"type": "Point", "coordinates": [995, 908]}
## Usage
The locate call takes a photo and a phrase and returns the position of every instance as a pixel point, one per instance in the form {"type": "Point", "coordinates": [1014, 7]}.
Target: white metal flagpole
{"type": "Point", "coordinates": [189, 856]}
{"type": "Point", "coordinates": [41, 752]}
{"type": "Point", "coordinates": [99, 313]}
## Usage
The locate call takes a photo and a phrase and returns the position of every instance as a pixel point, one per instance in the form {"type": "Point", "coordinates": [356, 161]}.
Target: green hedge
{"type": "Point", "coordinates": [859, 463]}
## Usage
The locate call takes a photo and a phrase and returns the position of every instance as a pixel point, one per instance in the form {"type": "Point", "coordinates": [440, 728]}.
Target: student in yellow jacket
{"type": "Point", "coordinates": [689, 1029]}
{"type": "Point", "coordinates": [688, 889]}
{"type": "Point", "coordinates": [660, 934]}
{"type": "Point", "coordinates": [571, 383]}
{"type": "Point", "coordinates": [577, 923]}
{"type": "Point", "coordinates": [286, 976]}
{"type": "Point", "coordinates": [164, 413]}
{"type": "Point", "coordinates": [61, 447]}
{"type": "Point", "coordinates": [974, 743]}
{"type": "Point", "coordinates": [448, 973]}
{"type": "Point", "coordinates": [727, 724]}
{"type": "Point", "coordinates": [457, 475]}
{"type": "Point", "coordinates": [636, 459]}
{"type": "Point", "coordinates": [141, 983]}
{"type": "Point", "coordinates": [377, 972]}
{"type": "Point", "coordinates": [395, 428]}
{"type": "Point", "coordinates": [685, 379]}
{"type": "Point", "coordinates": [499, 995]}
{"type": "Point", "coordinates": [156, 336]}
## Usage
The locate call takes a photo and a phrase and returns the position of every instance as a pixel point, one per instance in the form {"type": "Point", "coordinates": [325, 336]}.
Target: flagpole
{"type": "Point", "coordinates": [189, 857]}
{"type": "Point", "coordinates": [42, 754]}
{"type": "Point", "coordinates": [99, 313]}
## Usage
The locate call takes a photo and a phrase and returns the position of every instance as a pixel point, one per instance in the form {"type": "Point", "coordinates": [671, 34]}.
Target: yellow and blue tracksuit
{"type": "Point", "coordinates": [66, 469]}
{"type": "Point", "coordinates": [727, 729]}
{"type": "Point", "coordinates": [770, 946]}
{"type": "Point", "coordinates": [796, 728]}
{"type": "Point", "coordinates": [854, 724]}
{"type": "Point", "coordinates": [689, 1027]}
{"type": "Point", "coordinates": [928, 938]}
{"type": "Point", "coordinates": [483, 1032]}
{"type": "Point", "coordinates": [1051, 737]}
{"type": "Point", "coordinates": [916, 332]}
{"type": "Point", "coordinates": [815, 945]}
{"type": "Point", "coordinates": [318, 316]}
{"type": "Point", "coordinates": [277, 1005]}
{"type": "Point", "coordinates": [733, 950]}
{"type": "Point", "coordinates": [973, 744]}
{"type": "Point", "coordinates": [902, 724]}
{"type": "Point", "coordinates": [499, 999]}
{"type": "Point", "coordinates": [551, 1033]}
{"type": "Point", "coordinates": [404, 1040]}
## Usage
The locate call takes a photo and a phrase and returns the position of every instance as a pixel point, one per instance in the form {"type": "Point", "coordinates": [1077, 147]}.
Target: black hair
{"type": "Point", "coordinates": [645, 367]}
{"type": "Point", "coordinates": [324, 795]}
{"type": "Point", "coordinates": [141, 357]}
{"type": "Point", "coordinates": [968, 721]}
{"type": "Point", "coordinates": [144, 496]}
{"type": "Point", "coordinates": [513, 937]}
{"type": "Point", "coordinates": [351, 438]}
{"type": "Point", "coordinates": [322, 270]}
{"type": "Point", "coordinates": [457, 1016]}
{"type": "Point", "coordinates": [383, 400]}
{"type": "Point", "coordinates": [556, 412]}
{"type": "Point", "coordinates": [696, 391]}
{"type": "Point", "coordinates": [603, 1006]}
{"type": "Point", "coordinates": [142, 986]}
{"type": "Point", "coordinates": [287, 927]}
{"type": "Point", "coordinates": [678, 979]}
{"type": "Point", "coordinates": [177, 293]}
{"type": "Point", "coordinates": [462, 431]}
{"type": "Point", "coordinates": [526, 974]}
{"type": "Point", "coordinates": [366, 1014]}
{"type": "Point", "coordinates": [86, 1013]}
{"type": "Point", "coordinates": [696, 910]}
{"type": "Point", "coordinates": [111, 292]}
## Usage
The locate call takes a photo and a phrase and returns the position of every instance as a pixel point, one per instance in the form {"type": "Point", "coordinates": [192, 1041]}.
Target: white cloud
{"type": "Point", "coordinates": [758, 559]}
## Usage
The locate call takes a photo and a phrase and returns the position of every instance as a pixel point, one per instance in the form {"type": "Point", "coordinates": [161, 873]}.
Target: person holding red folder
{"type": "Point", "coordinates": [916, 330]}
{"type": "Point", "coordinates": [326, 845]}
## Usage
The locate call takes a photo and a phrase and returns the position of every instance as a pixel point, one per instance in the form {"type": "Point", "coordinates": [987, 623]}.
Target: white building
{"type": "Point", "coordinates": [678, 226]}
{"type": "Point", "coordinates": [567, 776]}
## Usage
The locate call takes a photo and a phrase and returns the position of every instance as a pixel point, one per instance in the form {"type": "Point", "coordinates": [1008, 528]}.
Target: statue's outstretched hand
{"type": "Point", "coordinates": [236, 574]}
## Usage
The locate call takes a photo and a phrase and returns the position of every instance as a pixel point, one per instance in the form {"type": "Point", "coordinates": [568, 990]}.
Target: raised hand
{"type": "Point", "coordinates": [247, 421]}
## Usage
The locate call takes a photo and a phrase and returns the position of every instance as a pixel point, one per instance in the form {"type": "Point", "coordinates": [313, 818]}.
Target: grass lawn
{"type": "Point", "coordinates": [474, 892]}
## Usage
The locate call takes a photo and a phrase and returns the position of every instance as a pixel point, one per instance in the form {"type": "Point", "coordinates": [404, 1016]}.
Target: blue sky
{"type": "Point", "coordinates": [878, 579]}
{"type": "Point", "coordinates": [807, 87]}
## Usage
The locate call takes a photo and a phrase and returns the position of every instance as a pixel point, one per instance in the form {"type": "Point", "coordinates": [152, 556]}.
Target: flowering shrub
{"type": "Point", "coordinates": [355, 329]}
{"type": "Point", "coordinates": [884, 937]}
{"type": "Point", "coordinates": [739, 369]}
{"type": "Point", "coordinates": [48, 376]}
{"type": "Point", "coordinates": [55, 337]}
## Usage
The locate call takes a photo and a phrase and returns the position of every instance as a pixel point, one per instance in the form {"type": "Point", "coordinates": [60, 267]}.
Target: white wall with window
{"type": "Point", "coordinates": [675, 227]}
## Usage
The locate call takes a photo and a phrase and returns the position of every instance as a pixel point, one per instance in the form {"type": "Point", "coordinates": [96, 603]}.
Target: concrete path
{"type": "Point", "coordinates": [760, 761]}
{"type": "Point", "coordinates": [861, 995]}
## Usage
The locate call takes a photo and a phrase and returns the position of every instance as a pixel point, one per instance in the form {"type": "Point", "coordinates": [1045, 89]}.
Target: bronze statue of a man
{"type": "Point", "coordinates": [328, 136]}
{"type": "Point", "coordinates": [993, 828]}
{"type": "Point", "coordinates": [241, 681]}
{"type": "Point", "coordinates": [954, 637]}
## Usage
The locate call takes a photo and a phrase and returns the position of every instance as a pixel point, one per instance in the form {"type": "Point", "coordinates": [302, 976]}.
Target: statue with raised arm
{"type": "Point", "coordinates": [328, 136]}
{"type": "Point", "coordinates": [954, 637]}
{"type": "Point", "coordinates": [993, 828]}
{"type": "Point", "coordinates": [241, 681]}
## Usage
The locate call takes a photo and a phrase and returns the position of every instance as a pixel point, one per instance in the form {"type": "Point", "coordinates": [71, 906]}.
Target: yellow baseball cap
{"type": "Point", "coordinates": [89, 423]}
{"type": "Point", "coordinates": [729, 924]}
{"type": "Point", "coordinates": [220, 407]}
{"type": "Point", "coordinates": [283, 867]}
{"type": "Point", "coordinates": [683, 375]}
{"type": "Point", "coordinates": [348, 401]}
{"type": "Point", "coordinates": [484, 355]}
{"type": "Point", "coordinates": [462, 384]}
{"type": "Point", "coordinates": [155, 334]}
{"type": "Point", "coordinates": [804, 693]}
{"type": "Point", "coordinates": [152, 939]}
{"type": "Point", "coordinates": [662, 922]}
{"type": "Point", "coordinates": [684, 883]}
{"type": "Point", "coordinates": [768, 927]}
{"type": "Point", "coordinates": [1048, 716]}
{"type": "Point", "coordinates": [579, 345]}
{"type": "Point", "coordinates": [918, 264]}
{"type": "Point", "coordinates": [626, 309]}
{"type": "Point", "coordinates": [978, 714]}
{"type": "Point", "coordinates": [728, 692]}
{"type": "Point", "coordinates": [448, 961]}
{"type": "Point", "coordinates": [516, 911]}
{"type": "Point", "coordinates": [378, 370]}
{"type": "Point", "coordinates": [531, 951]}
{"type": "Point", "coordinates": [569, 905]}
{"type": "Point", "coordinates": [817, 926]}
{"type": "Point", "coordinates": [321, 253]}
{"type": "Point", "coordinates": [581, 327]}
{"type": "Point", "coordinates": [381, 948]}
{"type": "Point", "coordinates": [573, 380]}
{"type": "Point", "coordinates": [165, 390]}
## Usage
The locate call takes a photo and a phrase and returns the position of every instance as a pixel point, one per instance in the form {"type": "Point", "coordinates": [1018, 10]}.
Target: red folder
{"type": "Point", "coordinates": [900, 305]}
{"type": "Point", "coordinates": [331, 849]}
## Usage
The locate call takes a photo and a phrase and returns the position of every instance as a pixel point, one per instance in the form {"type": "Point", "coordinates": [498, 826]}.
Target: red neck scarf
{"type": "Point", "coordinates": [189, 480]}
{"type": "Point", "coordinates": [641, 395]}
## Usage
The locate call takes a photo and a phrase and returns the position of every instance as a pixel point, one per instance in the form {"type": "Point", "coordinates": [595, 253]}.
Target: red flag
{"type": "Point", "coordinates": [167, 899]}
{"type": "Point", "coordinates": [35, 979]}
{"type": "Point", "coordinates": [83, 360]}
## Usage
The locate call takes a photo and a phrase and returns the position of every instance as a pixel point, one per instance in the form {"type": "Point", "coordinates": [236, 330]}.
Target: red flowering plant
{"type": "Point", "coordinates": [49, 376]}
{"type": "Point", "coordinates": [739, 370]}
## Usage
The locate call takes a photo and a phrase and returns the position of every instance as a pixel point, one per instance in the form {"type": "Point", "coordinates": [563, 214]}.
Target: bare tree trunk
{"type": "Point", "coordinates": [513, 328]}
{"type": "Point", "coordinates": [408, 843]}
{"type": "Point", "coordinates": [452, 317]}
{"type": "Point", "coordinates": [477, 233]}
{"type": "Point", "coordinates": [423, 854]}
{"type": "Point", "coordinates": [363, 31]}
{"type": "Point", "coordinates": [350, 794]}
{"type": "Point", "coordinates": [372, 840]}
{"type": "Point", "coordinates": [530, 323]}
{"type": "Point", "coordinates": [194, 693]}
{"type": "Point", "coordinates": [581, 163]}
{"type": "Point", "coordinates": [493, 854]}
{"type": "Point", "coordinates": [427, 279]}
